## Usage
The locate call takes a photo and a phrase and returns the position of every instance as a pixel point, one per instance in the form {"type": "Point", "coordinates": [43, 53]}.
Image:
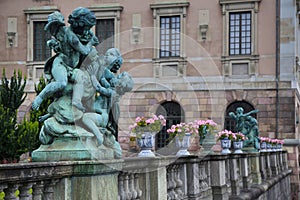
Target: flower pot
{"type": "Point", "coordinates": [263, 147]}
{"type": "Point", "coordinates": [146, 142]}
{"type": "Point", "coordinates": [279, 147]}
{"type": "Point", "coordinates": [238, 145]}
{"type": "Point", "coordinates": [225, 144]}
{"type": "Point", "coordinates": [269, 147]}
{"type": "Point", "coordinates": [183, 142]}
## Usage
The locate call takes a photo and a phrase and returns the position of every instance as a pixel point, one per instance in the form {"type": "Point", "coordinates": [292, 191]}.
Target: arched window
{"type": "Point", "coordinates": [229, 123]}
{"type": "Point", "coordinates": [173, 113]}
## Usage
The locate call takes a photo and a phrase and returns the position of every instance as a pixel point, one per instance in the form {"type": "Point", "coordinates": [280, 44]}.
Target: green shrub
{"type": "Point", "coordinates": [12, 95]}
{"type": "Point", "coordinates": [16, 139]}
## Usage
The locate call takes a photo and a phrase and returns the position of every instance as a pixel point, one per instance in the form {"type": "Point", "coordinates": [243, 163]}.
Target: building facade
{"type": "Point", "coordinates": [189, 59]}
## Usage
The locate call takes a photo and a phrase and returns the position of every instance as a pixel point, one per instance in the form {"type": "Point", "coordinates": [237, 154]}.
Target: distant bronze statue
{"type": "Point", "coordinates": [247, 125]}
{"type": "Point", "coordinates": [84, 83]}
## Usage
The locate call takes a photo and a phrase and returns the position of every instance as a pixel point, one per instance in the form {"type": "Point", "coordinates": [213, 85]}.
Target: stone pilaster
{"type": "Point", "coordinates": [218, 180]}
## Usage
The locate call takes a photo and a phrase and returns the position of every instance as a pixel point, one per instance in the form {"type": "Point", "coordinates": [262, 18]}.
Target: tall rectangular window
{"type": "Point", "coordinates": [169, 36]}
{"type": "Point", "coordinates": [41, 51]}
{"type": "Point", "coordinates": [105, 31]}
{"type": "Point", "coordinates": [240, 33]}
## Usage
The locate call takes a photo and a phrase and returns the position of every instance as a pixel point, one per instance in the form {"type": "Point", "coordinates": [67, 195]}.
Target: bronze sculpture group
{"type": "Point", "coordinates": [246, 124]}
{"type": "Point", "coordinates": [85, 85]}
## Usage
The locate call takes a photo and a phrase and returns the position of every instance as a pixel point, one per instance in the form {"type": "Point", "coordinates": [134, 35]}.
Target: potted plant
{"type": "Point", "coordinates": [263, 144]}
{"type": "Point", "coordinates": [238, 142]}
{"type": "Point", "coordinates": [225, 138]}
{"type": "Point", "coordinates": [182, 132]}
{"type": "Point", "coordinates": [144, 129]}
{"type": "Point", "coordinates": [205, 127]}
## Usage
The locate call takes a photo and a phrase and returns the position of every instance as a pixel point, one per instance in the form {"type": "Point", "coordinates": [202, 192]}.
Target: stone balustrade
{"type": "Point", "coordinates": [235, 176]}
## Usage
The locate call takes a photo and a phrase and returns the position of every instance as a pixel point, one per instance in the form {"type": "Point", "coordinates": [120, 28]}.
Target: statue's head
{"type": "Point", "coordinates": [125, 83]}
{"type": "Point", "coordinates": [55, 20]}
{"type": "Point", "coordinates": [81, 20]}
{"type": "Point", "coordinates": [239, 110]}
{"type": "Point", "coordinates": [113, 59]}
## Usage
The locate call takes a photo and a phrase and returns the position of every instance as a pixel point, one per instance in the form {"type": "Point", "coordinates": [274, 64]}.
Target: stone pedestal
{"type": "Point", "coordinates": [255, 168]}
{"type": "Point", "coordinates": [71, 148]}
{"type": "Point", "coordinates": [91, 180]}
{"type": "Point", "coordinates": [218, 180]}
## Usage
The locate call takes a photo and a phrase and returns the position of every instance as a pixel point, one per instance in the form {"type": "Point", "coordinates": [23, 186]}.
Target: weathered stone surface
{"type": "Point", "coordinates": [72, 148]}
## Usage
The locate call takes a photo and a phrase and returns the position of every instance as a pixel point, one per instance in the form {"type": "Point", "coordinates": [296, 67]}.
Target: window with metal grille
{"type": "Point", "coordinates": [173, 114]}
{"type": "Point", "coordinates": [169, 36]}
{"type": "Point", "coordinates": [41, 51]}
{"type": "Point", "coordinates": [240, 33]}
{"type": "Point", "coordinates": [229, 123]}
{"type": "Point", "coordinates": [105, 31]}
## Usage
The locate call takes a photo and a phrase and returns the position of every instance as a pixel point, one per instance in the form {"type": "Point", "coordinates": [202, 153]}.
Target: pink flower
{"type": "Point", "coordinates": [138, 119]}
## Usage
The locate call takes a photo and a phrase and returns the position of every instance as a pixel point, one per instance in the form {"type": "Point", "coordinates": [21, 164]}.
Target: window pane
{"type": "Point", "coordinates": [169, 38]}
{"type": "Point", "coordinates": [105, 31]}
{"type": "Point", "coordinates": [240, 33]}
{"type": "Point", "coordinates": [41, 51]}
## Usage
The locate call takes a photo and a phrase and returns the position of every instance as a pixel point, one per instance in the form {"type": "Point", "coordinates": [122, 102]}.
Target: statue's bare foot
{"type": "Point", "coordinates": [99, 140]}
{"type": "Point", "coordinates": [78, 105]}
{"type": "Point", "coordinates": [44, 117]}
{"type": "Point", "coordinates": [36, 103]}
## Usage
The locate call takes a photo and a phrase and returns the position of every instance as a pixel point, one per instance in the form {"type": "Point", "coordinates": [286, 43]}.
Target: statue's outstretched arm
{"type": "Point", "coordinates": [251, 112]}
{"type": "Point", "coordinates": [232, 115]}
{"type": "Point", "coordinates": [78, 46]}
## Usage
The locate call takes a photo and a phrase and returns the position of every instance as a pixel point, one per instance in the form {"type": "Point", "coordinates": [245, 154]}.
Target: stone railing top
{"type": "Point", "coordinates": [49, 170]}
{"type": "Point", "coordinates": [291, 142]}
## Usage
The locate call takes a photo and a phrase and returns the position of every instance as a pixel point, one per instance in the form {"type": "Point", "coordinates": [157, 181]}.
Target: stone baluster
{"type": "Point", "coordinates": [285, 160]}
{"type": "Point", "coordinates": [263, 166]}
{"type": "Point", "coordinates": [121, 195]}
{"type": "Point", "coordinates": [203, 176]}
{"type": "Point", "coordinates": [179, 182]}
{"type": "Point", "coordinates": [137, 186]}
{"type": "Point", "coordinates": [49, 189]}
{"type": "Point", "coordinates": [24, 191]}
{"type": "Point", "coordinates": [268, 165]}
{"type": "Point", "coordinates": [37, 190]}
{"type": "Point", "coordinates": [273, 163]}
{"type": "Point", "coordinates": [244, 171]}
{"type": "Point", "coordinates": [193, 189]}
{"type": "Point", "coordinates": [2, 187]}
{"type": "Point", "coordinates": [128, 184]}
{"type": "Point", "coordinates": [10, 191]}
{"type": "Point", "coordinates": [280, 161]}
{"type": "Point", "coordinates": [171, 184]}
{"type": "Point", "coordinates": [131, 186]}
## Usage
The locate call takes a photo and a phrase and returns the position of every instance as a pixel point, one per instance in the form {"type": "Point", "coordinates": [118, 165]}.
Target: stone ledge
{"type": "Point", "coordinates": [255, 191]}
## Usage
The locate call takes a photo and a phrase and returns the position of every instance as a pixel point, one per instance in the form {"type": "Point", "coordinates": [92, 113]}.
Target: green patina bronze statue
{"type": "Point", "coordinates": [246, 124]}
{"type": "Point", "coordinates": [86, 88]}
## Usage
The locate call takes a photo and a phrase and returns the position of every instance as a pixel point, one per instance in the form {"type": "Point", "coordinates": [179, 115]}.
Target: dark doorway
{"type": "Point", "coordinates": [173, 114]}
